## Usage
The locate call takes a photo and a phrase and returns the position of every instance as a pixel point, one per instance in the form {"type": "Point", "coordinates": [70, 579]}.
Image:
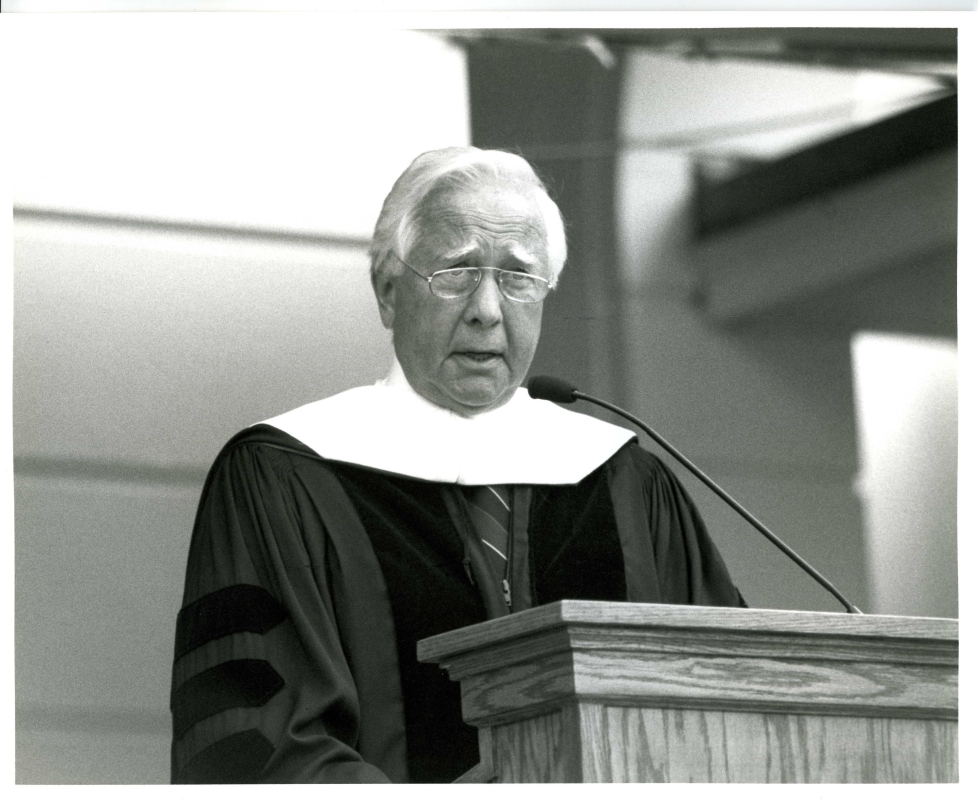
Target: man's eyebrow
{"type": "Point", "coordinates": [525, 257]}
{"type": "Point", "coordinates": [460, 254]}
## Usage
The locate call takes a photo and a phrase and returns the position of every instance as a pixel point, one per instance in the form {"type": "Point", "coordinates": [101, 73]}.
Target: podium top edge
{"type": "Point", "coordinates": [654, 617]}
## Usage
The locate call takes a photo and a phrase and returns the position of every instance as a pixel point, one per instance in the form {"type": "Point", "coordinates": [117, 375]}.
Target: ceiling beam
{"type": "Point", "coordinates": [851, 157]}
{"type": "Point", "coordinates": [889, 220]}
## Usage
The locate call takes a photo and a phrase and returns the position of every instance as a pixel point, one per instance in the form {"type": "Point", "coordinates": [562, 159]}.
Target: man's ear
{"type": "Point", "coordinates": [386, 293]}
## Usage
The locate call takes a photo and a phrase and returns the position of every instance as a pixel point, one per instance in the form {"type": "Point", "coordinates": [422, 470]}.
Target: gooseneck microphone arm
{"type": "Point", "coordinates": [558, 391]}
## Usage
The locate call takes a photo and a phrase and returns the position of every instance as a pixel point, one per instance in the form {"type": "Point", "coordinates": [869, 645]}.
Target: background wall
{"type": "Point", "coordinates": [137, 354]}
{"type": "Point", "coordinates": [907, 400]}
{"type": "Point", "coordinates": [740, 342]}
{"type": "Point", "coordinates": [190, 260]}
{"type": "Point", "coordinates": [193, 205]}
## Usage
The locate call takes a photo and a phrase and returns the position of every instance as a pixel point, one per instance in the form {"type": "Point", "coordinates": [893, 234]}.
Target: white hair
{"type": "Point", "coordinates": [457, 168]}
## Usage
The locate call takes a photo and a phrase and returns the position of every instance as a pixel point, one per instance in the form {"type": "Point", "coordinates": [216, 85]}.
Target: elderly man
{"type": "Point", "coordinates": [330, 539]}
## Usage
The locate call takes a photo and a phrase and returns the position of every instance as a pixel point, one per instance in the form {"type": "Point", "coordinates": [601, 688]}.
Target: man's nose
{"type": "Point", "coordinates": [485, 303]}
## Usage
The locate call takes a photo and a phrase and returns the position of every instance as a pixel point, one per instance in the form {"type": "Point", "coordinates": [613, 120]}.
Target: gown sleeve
{"type": "Point", "coordinates": [690, 567]}
{"type": "Point", "coordinates": [261, 689]}
{"type": "Point", "coordinates": [668, 554]}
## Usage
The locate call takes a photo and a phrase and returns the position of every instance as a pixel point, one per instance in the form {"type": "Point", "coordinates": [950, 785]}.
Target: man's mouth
{"type": "Point", "coordinates": [479, 356]}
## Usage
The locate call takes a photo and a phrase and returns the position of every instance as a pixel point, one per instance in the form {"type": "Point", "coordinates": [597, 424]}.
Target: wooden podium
{"type": "Point", "coordinates": [586, 691]}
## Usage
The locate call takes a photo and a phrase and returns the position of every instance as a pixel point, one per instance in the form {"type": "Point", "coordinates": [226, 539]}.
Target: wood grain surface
{"type": "Point", "coordinates": [543, 749]}
{"type": "Point", "coordinates": [567, 614]}
{"type": "Point", "coordinates": [584, 691]}
{"type": "Point", "coordinates": [682, 745]}
{"type": "Point", "coordinates": [595, 743]}
{"type": "Point", "coordinates": [744, 684]}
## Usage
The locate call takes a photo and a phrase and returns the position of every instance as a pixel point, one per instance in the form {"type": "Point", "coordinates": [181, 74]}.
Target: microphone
{"type": "Point", "coordinates": [544, 387]}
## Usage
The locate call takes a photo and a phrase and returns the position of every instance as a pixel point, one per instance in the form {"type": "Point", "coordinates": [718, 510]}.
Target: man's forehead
{"type": "Point", "coordinates": [459, 223]}
{"type": "Point", "coordinates": [459, 206]}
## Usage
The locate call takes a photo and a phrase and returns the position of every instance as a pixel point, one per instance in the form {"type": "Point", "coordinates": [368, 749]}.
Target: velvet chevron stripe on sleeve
{"type": "Point", "coordinates": [235, 609]}
{"type": "Point", "coordinates": [242, 683]}
{"type": "Point", "coordinates": [241, 678]}
{"type": "Point", "coordinates": [238, 758]}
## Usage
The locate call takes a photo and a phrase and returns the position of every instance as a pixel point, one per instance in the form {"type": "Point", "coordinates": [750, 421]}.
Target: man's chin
{"type": "Point", "coordinates": [472, 400]}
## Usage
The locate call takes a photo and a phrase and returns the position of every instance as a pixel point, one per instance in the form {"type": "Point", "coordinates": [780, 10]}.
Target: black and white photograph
{"type": "Point", "coordinates": [486, 397]}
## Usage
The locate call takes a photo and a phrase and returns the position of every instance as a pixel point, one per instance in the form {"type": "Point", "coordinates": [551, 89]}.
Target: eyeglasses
{"type": "Point", "coordinates": [456, 282]}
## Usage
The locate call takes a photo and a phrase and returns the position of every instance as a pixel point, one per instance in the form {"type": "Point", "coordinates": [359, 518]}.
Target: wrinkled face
{"type": "Point", "coordinates": [468, 354]}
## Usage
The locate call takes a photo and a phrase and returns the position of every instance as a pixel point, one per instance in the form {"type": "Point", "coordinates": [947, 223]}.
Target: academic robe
{"type": "Point", "coordinates": [311, 580]}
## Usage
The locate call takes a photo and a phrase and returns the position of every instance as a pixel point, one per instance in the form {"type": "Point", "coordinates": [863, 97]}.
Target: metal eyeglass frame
{"type": "Point", "coordinates": [479, 271]}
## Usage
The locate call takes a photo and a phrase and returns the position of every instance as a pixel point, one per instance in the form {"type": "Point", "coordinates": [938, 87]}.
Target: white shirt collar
{"type": "Point", "coordinates": [390, 427]}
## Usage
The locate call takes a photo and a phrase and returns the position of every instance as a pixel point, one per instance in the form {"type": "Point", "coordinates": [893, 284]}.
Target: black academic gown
{"type": "Point", "coordinates": [310, 582]}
